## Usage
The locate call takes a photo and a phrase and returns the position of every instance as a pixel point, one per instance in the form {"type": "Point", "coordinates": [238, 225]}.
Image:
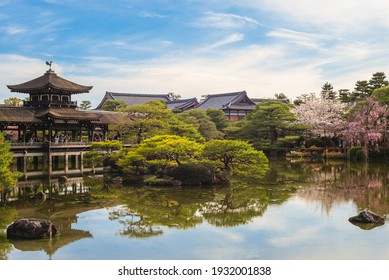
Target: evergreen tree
{"type": "Point", "coordinates": [377, 81]}
{"type": "Point", "coordinates": [361, 90]}
{"type": "Point", "coordinates": [345, 95]}
{"type": "Point", "coordinates": [327, 91]}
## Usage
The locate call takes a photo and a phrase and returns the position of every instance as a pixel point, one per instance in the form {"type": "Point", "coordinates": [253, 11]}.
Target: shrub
{"type": "Point", "coordinates": [355, 153]}
{"type": "Point", "coordinates": [194, 174]}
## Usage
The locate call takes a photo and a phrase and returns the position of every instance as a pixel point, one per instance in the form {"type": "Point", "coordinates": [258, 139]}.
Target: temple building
{"type": "Point", "coordinates": [142, 98]}
{"type": "Point", "coordinates": [48, 134]}
{"type": "Point", "coordinates": [235, 105]}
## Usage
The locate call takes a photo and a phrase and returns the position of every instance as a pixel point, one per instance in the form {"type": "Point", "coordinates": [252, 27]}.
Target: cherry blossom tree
{"type": "Point", "coordinates": [367, 125]}
{"type": "Point", "coordinates": [324, 117]}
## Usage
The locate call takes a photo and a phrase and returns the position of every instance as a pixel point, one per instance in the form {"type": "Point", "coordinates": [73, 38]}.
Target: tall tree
{"type": "Point", "coordinates": [361, 90]}
{"type": "Point", "coordinates": [153, 118]}
{"type": "Point", "coordinates": [218, 118]}
{"type": "Point", "coordinates": [202, 122]}
{"type": "Point", "coordinates": [269, 121]}
{"type": "Point", "coordinates": [327, 91]}
{"type": "Point", "coordinates": [377, 81]}
{"type": "Point", "coordinates": [8, 177]}
{"type": "Point", "coordinates": [345, 95]}
{"type": "Point", "coordinates": [323, 116]}
{"type": "Point", "coordinates": [368, 122]}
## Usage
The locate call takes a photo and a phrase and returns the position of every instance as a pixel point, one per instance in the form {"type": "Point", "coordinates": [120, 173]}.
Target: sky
{"type": "Point", "coordinates": [194, 47]}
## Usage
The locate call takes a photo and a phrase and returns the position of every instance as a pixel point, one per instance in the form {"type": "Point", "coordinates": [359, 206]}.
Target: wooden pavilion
{"type": "Point", "coordinates": [49, 130]}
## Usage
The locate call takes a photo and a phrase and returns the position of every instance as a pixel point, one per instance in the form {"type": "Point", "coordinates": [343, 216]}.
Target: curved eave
{"type": "Point", "coordinates": [49, 83]}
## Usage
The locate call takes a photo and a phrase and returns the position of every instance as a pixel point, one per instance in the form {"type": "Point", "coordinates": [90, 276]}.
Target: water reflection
{"type": "Point", "coordinates": [143, 214]}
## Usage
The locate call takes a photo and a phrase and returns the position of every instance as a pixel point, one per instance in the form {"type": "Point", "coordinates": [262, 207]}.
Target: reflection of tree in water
{"type": "Point", "coordinates": [364, 184]}
{"type": "Point", "coordinates": [148, 209]}
{"type": "Point", "coordinates": [239, 204]}
{"type": "Point", "coordinates": [135, 226]}
{"type": "Point", "coordinates": [6, 217]}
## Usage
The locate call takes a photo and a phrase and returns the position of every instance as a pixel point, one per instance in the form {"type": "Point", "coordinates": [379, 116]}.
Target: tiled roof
{"type": "Point", "coordinates": [182, 104]}
{"type": "Point", "coordinates": [49, 82]}
{"type": "Point", "coordinates": [132, 98]}
{"type": "Point", "coordinates": [223, 101]}
{"type": "Point", "coordinates": [17, 115]}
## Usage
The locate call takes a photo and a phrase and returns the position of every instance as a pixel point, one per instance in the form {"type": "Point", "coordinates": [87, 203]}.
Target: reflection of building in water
{"type": "Point", "coordinates": [28, 189]}
{"type": "Point", "coordinates": [366, 186]}
{"type": "Point", "coordinates": [65, 201]}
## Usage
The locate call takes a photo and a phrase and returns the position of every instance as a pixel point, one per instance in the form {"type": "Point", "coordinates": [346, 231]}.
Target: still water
{"type": "Point", "coordinates": [300, 211]}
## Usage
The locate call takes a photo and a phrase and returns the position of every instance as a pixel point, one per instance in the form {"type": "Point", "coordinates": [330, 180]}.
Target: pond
{"type": "Point", "coordinates": [299, 212]}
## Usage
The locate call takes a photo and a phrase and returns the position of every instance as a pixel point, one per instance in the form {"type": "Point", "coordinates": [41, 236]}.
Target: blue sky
{"type": "Point", "coordinates": [194, 47]}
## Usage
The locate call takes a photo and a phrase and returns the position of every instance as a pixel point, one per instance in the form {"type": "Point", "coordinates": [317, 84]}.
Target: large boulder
{"type": "Point", "coordinates": [31, 229]}
{"type": "Point", "coordinates": [367, 217]}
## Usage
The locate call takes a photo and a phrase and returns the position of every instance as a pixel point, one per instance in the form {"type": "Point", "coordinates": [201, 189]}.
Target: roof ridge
{"type": "Point", "coordinates": [137, 94]}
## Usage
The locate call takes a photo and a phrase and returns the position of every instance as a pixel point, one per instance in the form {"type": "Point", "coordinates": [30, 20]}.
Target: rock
{"type": "Point", "coordinates": [367, 217]}
{"type": "Point", "coordinates": [31, 229]}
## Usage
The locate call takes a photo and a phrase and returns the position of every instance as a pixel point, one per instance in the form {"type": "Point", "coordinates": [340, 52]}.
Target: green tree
{"type": "Point", "coordinates": [218, 118]}
{"type": "Point", "coordinates": [381, 95]}
{"type": "Point", "coordinates": [237, 157]}
{"type": "Point", "coordinates": [280, 96]}
{"type": "Point", "coordinates": [169, 148]}
{"type": "Point", "coordinates": [85, 105]}
{"type": "Point", "coordinates": [202, 122]}
{"type": "Point", "coordinates": [114, 105]}
{"type": "Point", "coordinates": [8, 177]}
{"type": "Point", "coordinates": [377, 81]}
{"type": "Point", "coordinates": [13, 102]}
{"type": "Point", "coordinates": [361, 90]}
{"type": "Point", "coordinates": [345, 95]}
{"type": "Point", "coordinates": [268, 122]}
{"type": "Point", "coordinates": [154, 118]}
{"type": "Point", "coordinates": [327, 91]}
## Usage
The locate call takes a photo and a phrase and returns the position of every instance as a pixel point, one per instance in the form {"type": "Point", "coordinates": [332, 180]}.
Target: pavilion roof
{"type": "Point", "coordinates": [232, 100]}
{"type": "Point", "coordinates": [49, 82]}
{"type": "Point", "coordinates": [133, 98]}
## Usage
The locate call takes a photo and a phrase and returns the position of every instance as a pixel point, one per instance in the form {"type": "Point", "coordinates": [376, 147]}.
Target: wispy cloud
{"type": "Point", "coordinates": [224, 21]}
{"type": "Point", "coordinates": [233, 38]}
{"type": "Point", "coordinates": [148, 14]}
{"type": "Point", "coordinates": [300, 38]}
{"type": "Point", "coordinates": [13, 29]}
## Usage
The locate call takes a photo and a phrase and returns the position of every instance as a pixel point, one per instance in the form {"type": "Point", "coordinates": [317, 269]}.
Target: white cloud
{"type": "Point", "coordinates": [224, 21]}
{"type": "Point", "coordinates": [13, 29]}
{"type": "Point", "coordinates": [233, 38]}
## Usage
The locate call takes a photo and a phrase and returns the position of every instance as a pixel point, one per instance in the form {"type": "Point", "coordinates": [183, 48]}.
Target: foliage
{"type": "Point", "coordinates": [238, 157]}
{"type": "Point", "coordinates": [197, 173]}
{"type": "Point", "coordinates": [355, 153]}
{"type": "Point", "coordinates": [327, 91]}
{"type": "Point", "coordinates": [323, 116]}
{"type": "Point", "coordinates": [218, 118]}
{"type": "Point", "coordinates": [154, 118]}
{"type": "Point", "coordinates": [13, 102]}
{"type": "Point", "coordinates": [103, 151]}
{"type": "Point", "coordinates": [168, 148]}
{"type": "Point", "coordinates": [114, 105]}
{"type": "Point", "coordinates": [8, 177]}
{"type": "Point", "coordinates": [366, 125]}
{"type": "Point", "coordinates": [381, 95]}
{"type": "Point", "coordinates": [202, 122]}
{"type": "Point", "coordinates": [85, 105]}
{"type": "Point", "coordinates": [268, 122]}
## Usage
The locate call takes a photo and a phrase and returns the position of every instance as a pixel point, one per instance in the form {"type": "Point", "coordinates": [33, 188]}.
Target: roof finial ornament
{"type": "Point", "coordinates": [49, 64]}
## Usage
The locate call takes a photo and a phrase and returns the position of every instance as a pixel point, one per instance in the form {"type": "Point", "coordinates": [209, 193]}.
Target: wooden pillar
{"type": "Point", "coordinates": [25, 165]}
{"type": "Point", "coordinates": [82, 162]}
{"type": "Point", "coordinates": [66, 163]}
